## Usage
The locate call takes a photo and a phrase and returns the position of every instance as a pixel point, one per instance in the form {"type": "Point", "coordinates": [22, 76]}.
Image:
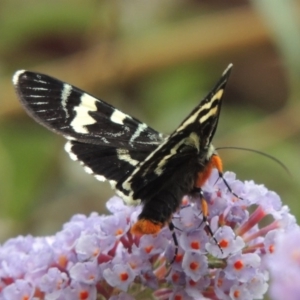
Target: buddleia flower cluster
{"type": "Point", "coordinates": [96, 257]}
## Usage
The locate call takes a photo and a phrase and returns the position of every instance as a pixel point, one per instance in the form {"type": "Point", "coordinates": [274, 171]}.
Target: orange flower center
{"type": "Point", "coordinates": [223, 243]}
{"type": "Point", "coordinates": [83, 295]}
{"type": "Point", "coordinates": [179, 258]}
{"type": "Point", "coordinates": [124, 276]}
{"type": "Point", "coordinates": [119, 231]}
{"type": "Point", "coordinates": [236, 294]}
{"type": "Point", "coordinates": [195, 245]}
{"type": "Point", "coordinates": [194, 266]}
{"type": "Point", "coordinates": [148, 249]}
{"type": "Point", "coordinates": [238, 265]}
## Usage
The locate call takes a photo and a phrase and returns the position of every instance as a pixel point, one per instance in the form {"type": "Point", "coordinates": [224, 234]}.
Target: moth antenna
{"type": "Point", "coordinates": [276, 160]}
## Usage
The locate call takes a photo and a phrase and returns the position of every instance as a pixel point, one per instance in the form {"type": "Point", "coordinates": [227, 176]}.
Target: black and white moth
{"type": "Point", "coordinates": [139, 162]}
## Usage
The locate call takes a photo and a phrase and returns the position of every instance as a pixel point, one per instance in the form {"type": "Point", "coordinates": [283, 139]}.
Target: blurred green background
{"type": "Point", "coordinates": [154, 60]}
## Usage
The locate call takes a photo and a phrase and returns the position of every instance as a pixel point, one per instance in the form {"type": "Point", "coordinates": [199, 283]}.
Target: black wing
{"type": "Point", "coordinates": [73, 113]}
{"type": "Point", "coordinates": [191, 141]}
{"type": "Point", "coordinates": [108, 142]}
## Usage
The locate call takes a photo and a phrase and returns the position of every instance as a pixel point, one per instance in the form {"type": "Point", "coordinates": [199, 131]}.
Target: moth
{"type": "Point", "coordinates": [141, 164]}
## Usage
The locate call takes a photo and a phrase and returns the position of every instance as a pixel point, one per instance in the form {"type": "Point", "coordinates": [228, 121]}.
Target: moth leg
{"type": "Point", "coordinates": [175, 240]}
{"type": "Point", "coordinates": [228, 186]}
{"type": "Point", "coordinates": [205, 212]}
{"type": "Point", "coordinates": [215, 162]}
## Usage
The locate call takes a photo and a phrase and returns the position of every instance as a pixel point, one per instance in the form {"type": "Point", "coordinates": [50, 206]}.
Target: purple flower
{"type": "Point", "coordinates": [98, 257]}
{"type": "Point", "coordinates": [222, 285]}
{"type": "Point", "coordinates": [194, 265]}
{"type": "Point", "coordinates": [85, 272]}
{"type": "Point", "coordinates": [227, 240]}
{"type": "Point", "coordinates": [20, 289]}
{"type": "Point", "coordinates": [80, 291]}
{"type": "Point", "coordinates": [150, 245]}
{"type": "Point", "coordinates": [240, 292]}
{"type": "Point", "coordinates": [120, 276]}
{"type": "Point", "coordinates": [194, 288]}
{"type": "Point", "coordinates": [53, 282]}
{"type": "Point", "coordinates": [242, 267]}
{"type": "Point", "coordinates": [177, 278]}
{"type": "Point", "coordinates": [284, 264]}
{"type": "Point", "coordinates": [194, 240]}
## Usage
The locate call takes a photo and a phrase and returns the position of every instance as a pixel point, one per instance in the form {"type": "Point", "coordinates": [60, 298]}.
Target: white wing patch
{"type": "Point", "coordinates": [173, 151]}
{"type": "Point", "coordinates": [124, 155]}
{"type": "Point", "coordinates": [212, 111]}
{"type": "Point", "coordinates": [67, 89]}
{"type": "Point", "coordinates": [88, 170]}
{"type": "Point", "coordinates": [82, 117]}
{"type": "Point", "coordinates": [138, 131]}
{"type": "Point", "coordinates": [100, 177]}
{"type": "Point", "coordinates": [68, 149]}
{"type": "Point", "coordinates": [16, 76]}
{"type": "Point", "coordinates": [118, 117]}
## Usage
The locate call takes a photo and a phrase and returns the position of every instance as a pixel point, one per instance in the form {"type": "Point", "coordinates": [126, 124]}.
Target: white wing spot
{"type": "Point", "coordinates": [16, 76]}
{"type": "Point", "coordinates": [113, 183]}
{"type": "Point", "coordinates": [67, 89]}
{"type": "Point", "coordinates": [212, 111]}
{"type": "Point", "coordinates": [100, 177]}
{"type": "Point", "coordinates": [173, 151]}
{"type": "Point", "coordinates": [82, 117]}
{"type": "Point", "coordinates": [118, 117]}
{"type": "Point", "coordinates": [39, 80]}
{"type": "Point", "coordinates": [125, 156]}
{"type": "Point", "coordinates": [68, 149]}
{"type": "Point", "coordinates": [127, 185]}
{"type": "Point", "coordinates": [138, 131]}
{"type": "Point", "coordinates": [88, 170]}
{"type": "Point", "coordinates": [104, 140]}
{"type": "Point", "coordinates": [193, 140]}
{"type": "Point", "coordinates": [227, 69]}
{"type": "Point", "coordinates": [190, 120]}
{"type": "Point", "coordinates": [37, 96]}
{"type": "Point", "coordinates": [40, 103]}
{"type": "Point", "coordinates": [73, 156]}
{"type": "Point", "coordinates": [128, 199]}
{"type": "Point", "coordinates": [70, 138]}
{"type": "Point", "coordinates": [207, 105]}
{"type": "Point", "coordinates": [36, 88]}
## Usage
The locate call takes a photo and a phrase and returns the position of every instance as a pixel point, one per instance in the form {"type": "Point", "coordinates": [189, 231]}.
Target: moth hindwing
{"type": "Point", "coordinates": [138, 161]}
